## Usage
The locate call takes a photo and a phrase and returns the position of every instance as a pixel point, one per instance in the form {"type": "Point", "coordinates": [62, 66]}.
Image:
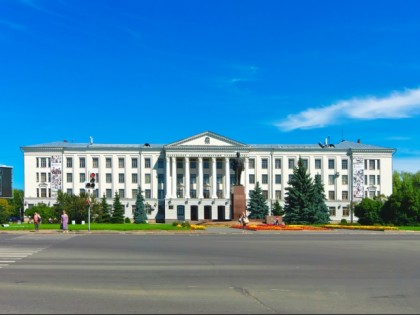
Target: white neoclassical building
{"type": "Point", "coordinates": [191, 179]}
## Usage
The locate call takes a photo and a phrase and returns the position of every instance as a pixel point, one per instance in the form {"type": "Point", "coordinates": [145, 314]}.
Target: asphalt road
{"type": "Point", "coordinates": [223, 272]}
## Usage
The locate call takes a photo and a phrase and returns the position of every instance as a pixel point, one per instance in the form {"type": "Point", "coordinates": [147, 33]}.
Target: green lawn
{"type": "Point", "coordinates": [96, 227]}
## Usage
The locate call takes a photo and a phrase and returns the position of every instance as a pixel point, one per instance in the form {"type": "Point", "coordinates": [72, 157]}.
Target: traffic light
{"type": "Point", "coordinates": [91, 183]}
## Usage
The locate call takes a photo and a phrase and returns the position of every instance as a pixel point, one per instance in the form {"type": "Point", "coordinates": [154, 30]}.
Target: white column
{"type": "Point", "coordinates": [245, 172]}
{"type": "Point", "coordinates": [174, 177]}
{"type": "Point", "coordinates": [213, 175]}
{"type": "Point", "coordinates": [227, 178]}
{"type": "Point", "coordinates": [187, 177]}
{"type": "Point", "coordinates": [168, 178]}
{"type": "Point", "coordinates": [200, 178]}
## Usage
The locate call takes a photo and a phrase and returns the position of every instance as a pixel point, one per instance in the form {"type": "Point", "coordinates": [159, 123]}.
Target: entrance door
{"type": "Point", "coordinates": [194, 213]}
{"type": "Point", "coordinates": [221, 213]}
{"type": "Point", "coordinates": [207, 212]}
{"type": "Point", "coordinates": [180, 213]}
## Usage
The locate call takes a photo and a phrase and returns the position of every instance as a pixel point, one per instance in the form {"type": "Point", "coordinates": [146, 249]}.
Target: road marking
{"type": "Point", "coordinates": [10, 255]}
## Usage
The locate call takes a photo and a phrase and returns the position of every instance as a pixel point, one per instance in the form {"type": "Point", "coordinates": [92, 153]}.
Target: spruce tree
{"type": "Point", "coordinates": [321, 212]}
{"type": "Point", "coordinates": [118, 212]}
{"type": "Point", "coordinates": [140, 215]}
{"type": "Point", "coordinates": [299, 206]}
{"type": "Point", "coordinates": [106, 211]}
{"type": "Point", "coordinates": [277, 209]}
{"type": "Point", "coordinates": [257, 205]}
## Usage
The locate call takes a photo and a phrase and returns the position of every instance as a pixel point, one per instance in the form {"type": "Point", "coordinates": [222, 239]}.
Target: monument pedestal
{"type": "Point", "coordinates": [238, 201]}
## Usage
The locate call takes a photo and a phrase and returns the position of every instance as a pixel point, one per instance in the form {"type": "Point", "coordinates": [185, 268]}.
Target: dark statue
{"type": "Point", "coordinates": [238, 167]}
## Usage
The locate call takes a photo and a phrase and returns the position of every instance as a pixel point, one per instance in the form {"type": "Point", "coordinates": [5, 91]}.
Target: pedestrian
{"type": "Point", "coordinates": [244, 219]}
{"type": "Point", "coordinates": [37, 221]}
{"type": "Point", "coordinates": [64, 222]}
{"type": "Point", "coordinates": [276, 221]}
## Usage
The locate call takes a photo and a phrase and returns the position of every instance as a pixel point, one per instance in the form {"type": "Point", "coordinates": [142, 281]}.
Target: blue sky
{"type": "Point", "coordinates": [256, 71]}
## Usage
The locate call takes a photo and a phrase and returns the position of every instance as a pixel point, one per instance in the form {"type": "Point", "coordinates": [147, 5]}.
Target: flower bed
{"type": "Point", "coordinates": [272, 227]}
{"type": "Point", "coordinates": [361, 227]}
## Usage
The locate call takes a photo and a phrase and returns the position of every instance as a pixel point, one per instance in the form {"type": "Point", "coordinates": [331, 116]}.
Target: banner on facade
{"type": "Point", "coordinates": [56, 176]}
{"type": "Point", "coordinates": [358, 176]}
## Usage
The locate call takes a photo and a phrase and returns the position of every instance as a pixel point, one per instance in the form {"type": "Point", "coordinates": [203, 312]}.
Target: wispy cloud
{"type": "Point", "coordinates": [397, 105]}
{"type": "Point", "coordinates": [244, 74]}
{"type": "Point", "coordinates": [15, 26]}
{"type": "Point", "coordinates": [34, 4]}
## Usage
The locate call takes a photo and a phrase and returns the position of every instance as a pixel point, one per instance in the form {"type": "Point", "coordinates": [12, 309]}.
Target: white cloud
{"type": "Point", "coordinates": [396, 106]}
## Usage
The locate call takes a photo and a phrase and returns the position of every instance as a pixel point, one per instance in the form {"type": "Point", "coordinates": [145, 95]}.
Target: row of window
{"type": "Point", "coordinates": [369, 164]}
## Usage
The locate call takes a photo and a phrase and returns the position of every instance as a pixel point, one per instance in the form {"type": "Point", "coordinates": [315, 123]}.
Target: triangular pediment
{"type": "Point", "coordinates": [207, 138]}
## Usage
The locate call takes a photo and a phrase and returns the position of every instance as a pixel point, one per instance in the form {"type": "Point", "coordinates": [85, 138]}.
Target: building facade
{"type": "Point", "coordinates": [191, 179]}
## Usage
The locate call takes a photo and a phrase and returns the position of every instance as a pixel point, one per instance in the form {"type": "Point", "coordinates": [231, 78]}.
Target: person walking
{"type": "Point", "coordinates": [37, 221]}
{"type": "Point", "coordinates": [64, 222]}
{"type": "Point", "coordinates": [244, 220]}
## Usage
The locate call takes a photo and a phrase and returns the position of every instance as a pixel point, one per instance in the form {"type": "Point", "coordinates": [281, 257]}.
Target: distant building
{"type": "Point", "coordinates": [191, 179]}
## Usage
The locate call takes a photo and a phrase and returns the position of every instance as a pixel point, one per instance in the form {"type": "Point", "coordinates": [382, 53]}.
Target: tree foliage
{"type": "Point", "coordinates": [305, 200]}
{"type": "Point", "coordinates": [106, 211]}
{"type": "Point", "coordinates": [277, 209]}
{"type": "Point", "coordinates": [4, 211]}
{"type": "Point", "coordinates": [140, 215]}
{"type": "Point", "coordinates": [118, 210]}
{"type": "Point", "coordinates": [368, 211]}
{"type": "Point", "coordinates": [257, 205]}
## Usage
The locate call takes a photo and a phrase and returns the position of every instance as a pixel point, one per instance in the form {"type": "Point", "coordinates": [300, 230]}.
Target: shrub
{"type": "Point", "coordinates": [127, 220]}
{"type": "Point", "coordinates": [343, 221]}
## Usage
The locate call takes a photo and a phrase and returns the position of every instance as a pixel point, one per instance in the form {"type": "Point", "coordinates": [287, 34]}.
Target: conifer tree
{"type": "Point", "coordinates": [140, 215]}
{"type": "Point", "coordinates": [321, 212]}
{"type": "Point", "coordinates": [106, 211]}
{"type": "Point", "coordinates": [299, 206]}
{"type": "Point", "coordinates": [277, 209]}
{"type": "Point", "coordinates": [257, 205]}
{"type": "Point", "coordinates": [118, 212]}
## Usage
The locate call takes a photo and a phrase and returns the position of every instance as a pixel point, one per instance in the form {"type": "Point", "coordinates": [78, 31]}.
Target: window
{"type": "Point", "coordinates": [148, 193]}
{"type": "Point", "coordinates": [378, 180]}
{"type": "Point", "coordinates": [265, 194]}
{"type": "Point", "coordinates": [305, 163]}
{"type": "Point", "coordinates": [219, 178]}
{"type": "Point", "coordinates": [95, 162]}
{"type": "Point", "coordinates": [251, 163]}
{"type": "Point", "coordinates": [344, 195]}
{"type": "Point", "coordinates": [193, 179]}
{"type": "Point", "coordinates": [147, 178]}
{"type": "Point", "coordinates": [179, 179]}
{"type": "Point", "coordinates": [290, 177]}
{"type": "Point", "coordinates": [43, 192]}
{"type": "Point", "coordinates": [219, 164]}
{"type": "Point", "coordinates": [108, 193]}
{"type": "Point", "coordinates": [318, 164]}
{"type": "Point", "coordinates": [193, 164]}
{"type": "Point", "coordinates": [344, 179]}
{"type": "Point", "coordinates": [180, 193]}
{"type": "Point", "coordinates": [264, 164]}
{"type": "Point", "coordinates": [134, 162]}
{"type": "Point", "coordinates": [291, 164]}
{"type": "Point", "coordinates": [331, 179]}
{"type": "Point", "coordinates": [331, 195]}
{"type": "Point", "coordinates": [134, 193]}
{"type": "Point", "coordinates": [378, 164]}
{"type": "Point", "coordinates": [331, 164]}
{"type": "Point", "coordinates": [82, 177]}
{"type": "Point", "coordinates": [161, 194]}
{"type": "Point", "coordinates": [69, 178]}
{"type": "Point", "coordinates": [278, 194]}
{"type": "Point", "coordinates": [372, 179]}
{"type": "Point", "coordinates": [179, 163]}
{"type": "Point", "coordinates": [277, 163]}
{"type": "Point", "coordinates": [206, 163]}
{"type": "Point", "coordinates": [49, 177]}
{"type": "Point", "coordinates": [278, 179]}
{"type": "Point", "coordinates": [346, 211]}
{"type": "Point", "coordinates": [206, 193]}
{"type": "Point", "coordinates": [193, 193]}
{"type": "Point", "coordinates": [264, 179]}
{"type": "Point", "coordinates": [251, 178]}
{"type": "Point", "coordinates": [82, 162]}
{"type": "Point", "coordinates": [332, 211]}
{"type": "Point", "coordinates": [82, 191]}
{"type": "Point", "coordinates": [206, 179]}
{"type": "Point", "coordinates": [69, 191]}
{"type": "Point", "coordinates": [134, 178]}
{"type": "Point", "coordinates": [371, 164]}
{"type": "Point", "coordinates": [219, 193]}
{"type": "Point", "coordinates": [121, 162]}
{"type": "Point", "coordinates": [160, 163]}
{"type": "Point", "coordinates": [344, 164]}
{"type": "Point", "coordinates": [121, 192]}
{"type": "Point", "coordinates": [108, 163]}
{"type": "Point", "coordinates": [108, 178]}
{"type": "Point", "coordinates": [43, 177]}
{"type": "Point", "coordinates": [69, 162]}
{"type": "Point", "coordinates": [44, 164]}
{"type": "Point", "coordinates": [121, 178]}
